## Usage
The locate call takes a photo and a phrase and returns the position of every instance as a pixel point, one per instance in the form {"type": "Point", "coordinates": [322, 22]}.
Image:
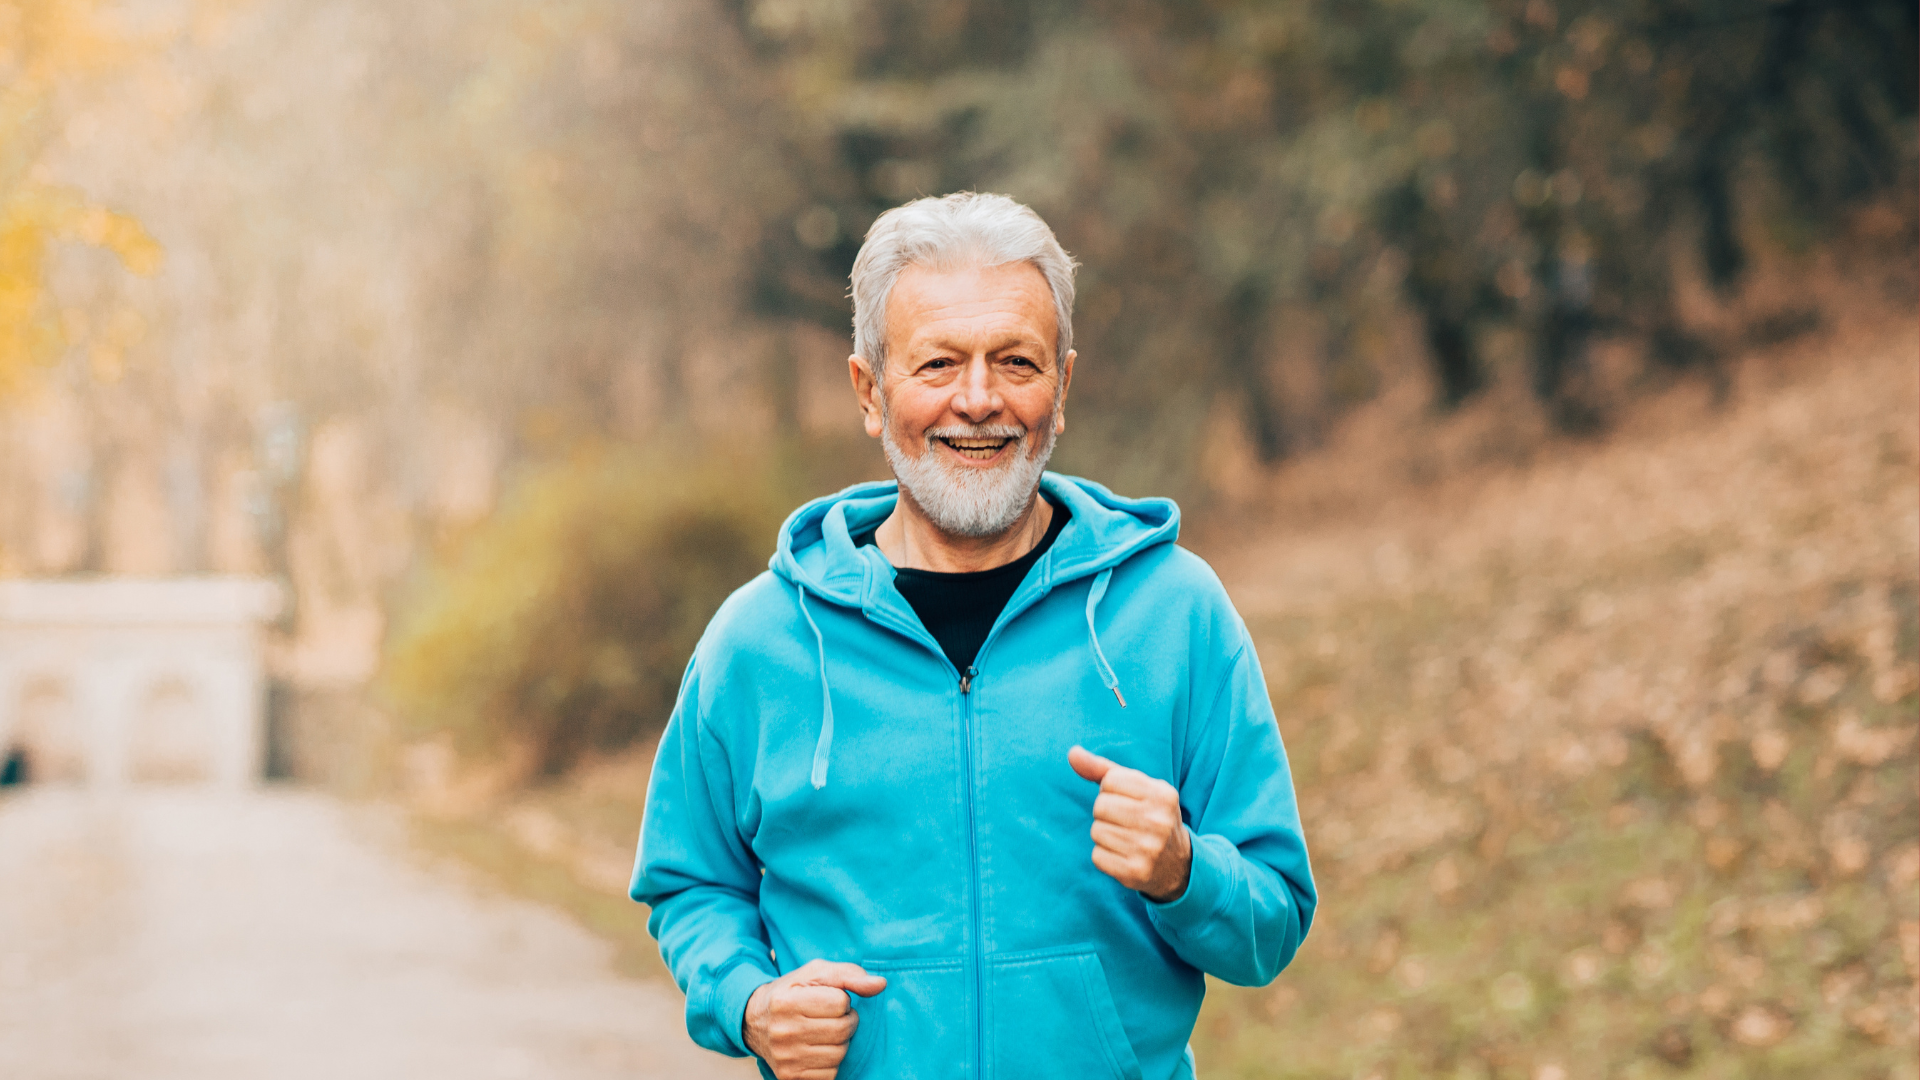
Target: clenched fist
{"type": "Point", "coordinates": [1137, 835]}
{"type": "Point", "coordinates": [801, 1022]}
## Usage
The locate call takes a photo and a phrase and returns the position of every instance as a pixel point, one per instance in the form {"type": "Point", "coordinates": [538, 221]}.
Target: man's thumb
{"type": "Point", "coordinates": [1089, 765]}
{"type": "Point", "coordinates": [866, 985]}
{"type": "Point", "coordinates": [852, 978]}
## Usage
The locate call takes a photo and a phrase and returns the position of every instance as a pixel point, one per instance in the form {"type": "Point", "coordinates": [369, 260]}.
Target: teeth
{"type": "Point", "coordinates": [976, 444]}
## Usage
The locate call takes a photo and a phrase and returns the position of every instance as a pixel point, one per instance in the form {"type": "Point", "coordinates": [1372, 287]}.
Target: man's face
{"type": "Point", "coordinates": [973, 394]}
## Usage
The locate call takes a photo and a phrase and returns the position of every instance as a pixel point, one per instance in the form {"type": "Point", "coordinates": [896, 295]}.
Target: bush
{"type": "Point", "coordinates": [563, 624]}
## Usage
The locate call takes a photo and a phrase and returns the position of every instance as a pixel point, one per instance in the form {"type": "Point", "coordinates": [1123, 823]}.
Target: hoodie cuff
{"type": "Point", "coordinates": [727, 1003]}
{"type": "Point", "coordinates": [1209, 884]}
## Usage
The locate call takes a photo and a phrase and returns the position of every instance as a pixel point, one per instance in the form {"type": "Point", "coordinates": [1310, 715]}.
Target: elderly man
{"type": "Point", "coordinates": [981, 778]}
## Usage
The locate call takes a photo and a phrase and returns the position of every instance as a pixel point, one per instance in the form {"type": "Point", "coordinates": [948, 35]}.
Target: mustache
{"type": "Point", "coordinates": [976, 431]}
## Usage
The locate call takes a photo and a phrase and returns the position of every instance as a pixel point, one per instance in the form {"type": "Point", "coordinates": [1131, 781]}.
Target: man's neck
{"type": "Point", "coordinates": [911, 541]}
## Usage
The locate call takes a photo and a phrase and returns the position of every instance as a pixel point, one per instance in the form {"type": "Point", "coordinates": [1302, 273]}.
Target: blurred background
{"type": "Point", "coordinates": [1540, 376]}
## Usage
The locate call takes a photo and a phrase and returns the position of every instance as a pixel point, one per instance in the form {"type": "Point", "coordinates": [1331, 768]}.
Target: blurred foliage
{"type": "Point", "coordinates": [636, 223]}
{"type": "Point", "coordinates": [46, 46]}
{"type": "Point", "coordinates": [1243, 178]}
{"type": "Point", "coordinates": [582, 185]}
{"type": "Point", "coordinates": [562, 625]}
{"type": "Point", "coordinates": [580, 219]}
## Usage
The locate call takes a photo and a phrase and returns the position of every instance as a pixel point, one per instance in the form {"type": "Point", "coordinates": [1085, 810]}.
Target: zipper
{"type": "Point", "coordinates": [973, 864]}
{"type": "Point", "coordinates": [1016, 606]}
{"type": "Point", "coordinates": [967, 677]}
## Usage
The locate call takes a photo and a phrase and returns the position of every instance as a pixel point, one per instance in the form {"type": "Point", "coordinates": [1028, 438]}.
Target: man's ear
{"type": "Point", "coordinates": [867, 391]}
{"type": "Point", "coordinates": [1060, 402]}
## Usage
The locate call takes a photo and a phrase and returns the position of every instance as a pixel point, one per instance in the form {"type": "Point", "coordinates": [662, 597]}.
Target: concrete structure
{"type": "Point", "coordinates": [127, 680]}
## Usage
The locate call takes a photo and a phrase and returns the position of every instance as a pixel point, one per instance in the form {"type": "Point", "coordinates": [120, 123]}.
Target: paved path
{"type": "Point", "coordinates": [282, 935]}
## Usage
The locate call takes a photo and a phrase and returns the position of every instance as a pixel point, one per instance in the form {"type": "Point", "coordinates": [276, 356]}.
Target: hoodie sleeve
{"type": "Point", "coordinates": [1250, 894]}
{"type": "Point", "coordinates": [702, 882]}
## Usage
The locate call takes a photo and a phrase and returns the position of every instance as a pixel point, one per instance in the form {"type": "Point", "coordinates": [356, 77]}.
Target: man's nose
{"type": "Point", "coordinates": [976, 397]}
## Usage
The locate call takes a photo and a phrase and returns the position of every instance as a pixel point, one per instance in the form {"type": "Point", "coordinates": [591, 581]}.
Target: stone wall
{"type": "Point", "coordinates": [113, 681]}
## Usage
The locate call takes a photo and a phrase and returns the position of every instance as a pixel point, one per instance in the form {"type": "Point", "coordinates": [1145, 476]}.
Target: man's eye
{"type": "Point", "coordinates": [1021, 361]}
{"type": "Point", "coordinates": [935, 365]}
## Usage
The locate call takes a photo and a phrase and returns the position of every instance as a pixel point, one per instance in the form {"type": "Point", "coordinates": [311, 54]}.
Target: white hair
{"type": "Point", "coordinates": [953, 232]}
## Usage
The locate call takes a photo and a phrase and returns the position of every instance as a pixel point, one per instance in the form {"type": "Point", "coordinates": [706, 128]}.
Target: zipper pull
{"type": "Point", "coordinates": [966, 679]}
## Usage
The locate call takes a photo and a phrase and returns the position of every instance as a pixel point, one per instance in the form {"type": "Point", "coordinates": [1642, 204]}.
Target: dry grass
{"type": "Point", "coordinates": [1608, 763]}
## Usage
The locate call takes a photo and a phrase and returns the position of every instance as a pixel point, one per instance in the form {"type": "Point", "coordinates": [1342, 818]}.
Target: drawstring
{"type": "Point", "coordinates": [1099, 658]}
{"type": "Point", "coordinates": [823, 749]}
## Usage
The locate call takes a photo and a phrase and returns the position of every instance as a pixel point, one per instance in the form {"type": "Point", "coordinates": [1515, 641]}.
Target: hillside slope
{"type": "Point", "coordinates": [1608, 766]}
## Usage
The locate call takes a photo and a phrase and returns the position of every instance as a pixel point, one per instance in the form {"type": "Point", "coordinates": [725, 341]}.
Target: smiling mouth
{"type": "Point", "coordinates": [976, 449]}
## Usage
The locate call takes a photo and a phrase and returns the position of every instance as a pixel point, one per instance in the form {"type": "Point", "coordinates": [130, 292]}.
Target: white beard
{"type": "Point", "coordinates": [971, 502]}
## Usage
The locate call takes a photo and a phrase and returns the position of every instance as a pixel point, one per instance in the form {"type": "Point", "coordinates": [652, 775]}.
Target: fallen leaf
{"type": "Point", "coordinates": [1673, 1046]}
{"type": "Point", "coordinates": [1769, 749]}
{"type": "Point", "coordinates": [1872, 1021]}
{"type": "Point", "coordinates": [1761, 1026]}
{"type": "Point", "coordinates": [1513, 992]}
{"type": "Point", "coordinates": [1863, 745]}
{"type": "Point", "coordinates": [1651, 894]}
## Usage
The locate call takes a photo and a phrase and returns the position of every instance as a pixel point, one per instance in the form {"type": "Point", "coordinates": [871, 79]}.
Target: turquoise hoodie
{"type": "Point", "coordinates": [829, 786]}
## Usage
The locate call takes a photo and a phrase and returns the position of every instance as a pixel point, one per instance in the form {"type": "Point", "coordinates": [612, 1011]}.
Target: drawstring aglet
{"type": "Point", "coordinates": [1107, 676]}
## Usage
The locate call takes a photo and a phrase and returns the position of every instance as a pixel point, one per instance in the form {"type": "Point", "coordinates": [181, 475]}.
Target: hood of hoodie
{"type": "Point", "coordinates": [818, 554]}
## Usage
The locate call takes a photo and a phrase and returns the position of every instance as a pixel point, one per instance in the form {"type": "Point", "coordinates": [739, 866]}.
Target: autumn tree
{"type": "Point", "coordinates": [45, 47]}
{"type": "Point", "coordinates": [1232, 171]}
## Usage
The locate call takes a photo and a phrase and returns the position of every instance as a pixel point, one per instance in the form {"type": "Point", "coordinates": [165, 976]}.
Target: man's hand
{"type": "Point", "coordinates": [1137, 835]}
{"type": "Point", "coordinates": [801, 1022]}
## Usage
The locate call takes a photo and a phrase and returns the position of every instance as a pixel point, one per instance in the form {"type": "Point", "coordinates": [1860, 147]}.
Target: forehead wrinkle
{"type": "Point", "coordinates": [998, 307]}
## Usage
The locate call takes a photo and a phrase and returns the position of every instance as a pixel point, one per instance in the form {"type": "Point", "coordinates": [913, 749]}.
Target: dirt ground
{"type": "Point", "coordinates": [282, 934]}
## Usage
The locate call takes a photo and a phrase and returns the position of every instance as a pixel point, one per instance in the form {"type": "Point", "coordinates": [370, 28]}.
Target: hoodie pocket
{"type": "Point", "coordinates": [1050, 1015]}
{"type": "Point", "coordinates": [916, 1028]}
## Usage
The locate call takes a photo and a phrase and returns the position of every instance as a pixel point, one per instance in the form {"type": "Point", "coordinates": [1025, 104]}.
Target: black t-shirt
{"type": "Point", "coordinates": [959, 609]}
